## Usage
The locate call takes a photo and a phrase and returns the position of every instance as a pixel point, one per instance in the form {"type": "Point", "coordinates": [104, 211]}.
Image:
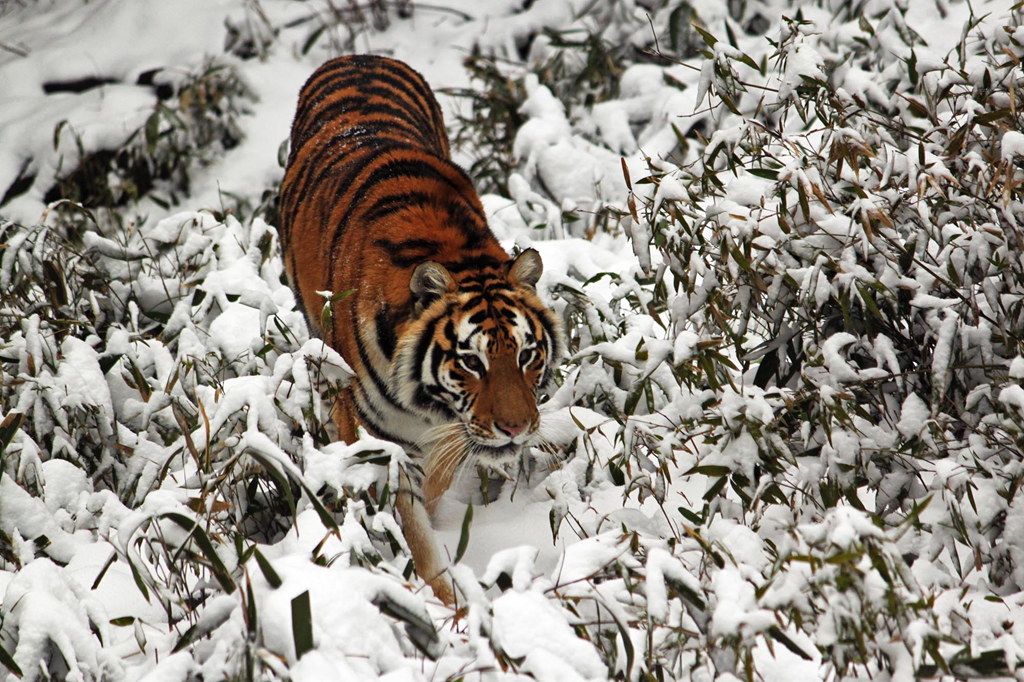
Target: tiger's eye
{"type": "Point", "coordinates": [472, 363]}
{"type": "Point", "coordinates": [525, 356]}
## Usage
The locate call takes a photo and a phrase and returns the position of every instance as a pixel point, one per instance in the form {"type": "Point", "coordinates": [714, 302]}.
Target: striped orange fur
{"type": "Point", "coordinates": [444, 331]}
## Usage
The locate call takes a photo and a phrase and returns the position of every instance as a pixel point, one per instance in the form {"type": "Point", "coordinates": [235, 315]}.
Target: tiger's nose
{"type": "Point", "coordinates": [511, 430]}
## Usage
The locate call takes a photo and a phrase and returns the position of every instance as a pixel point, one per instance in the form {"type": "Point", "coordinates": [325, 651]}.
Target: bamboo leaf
{"type": "Point", "coordinates": [467, 521]}
{"type": "Point", "coordinates": [8, 662]}
{"type": "Point", "coordinates": [220, 571]}
{"type": "Point", "coordinates": [781, 637]}
{"type": "Point", "coordinates": [418, 625]}
{"type": "Point", "coordinates": [302, 624]}
{"type": "Point", "coordinates": [267, 570]}
{"type": "Point", "coordinates": [8, 427]}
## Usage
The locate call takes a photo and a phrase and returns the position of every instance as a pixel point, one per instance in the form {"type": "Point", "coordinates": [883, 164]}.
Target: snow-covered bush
{"type": "Point", "coordinates": [193, 121]}
{"type": "Point", "coordinates": [189, 120]}
{"type": "Point", "coordinates": [151, 387]}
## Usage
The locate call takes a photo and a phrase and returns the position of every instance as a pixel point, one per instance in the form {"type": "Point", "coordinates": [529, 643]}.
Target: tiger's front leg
{"type": "Point", "coordinates": [344, 415]}
{"type": "Point", "coordinates": [419, 535]}
{"type": "Point", "coordinates": [415, 516]}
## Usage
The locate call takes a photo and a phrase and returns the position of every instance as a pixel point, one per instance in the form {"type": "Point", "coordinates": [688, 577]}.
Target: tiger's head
{"type": "Point", "coordinates": [475, 355]}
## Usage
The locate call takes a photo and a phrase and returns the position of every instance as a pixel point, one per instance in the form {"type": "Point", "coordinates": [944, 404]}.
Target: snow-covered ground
{"type": "Point", "coordinates": [167, 496]}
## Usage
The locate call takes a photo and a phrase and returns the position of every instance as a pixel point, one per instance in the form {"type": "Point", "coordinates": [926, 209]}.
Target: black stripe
{"type": "Point", "coordinates": [449, 331]}
{"type": "Point", "coordinates": [407, 109]}
{"type": "Point", "coordinates": [425, 169]}
{"type": "Point", "coordinates": [422, 398]}
{"type": "Point", "coordinates": [335, 156]}
{"type": "Point", "coordinates": [474, 231]}
{"type": "Point", "coordinates": [408, 252]}
{"type": "Point", "coordinates": [382, 432]}
{"type": "Point", "coordinates": [391, 169]}
{"type": "Point", "coordinates": [436, 358]}
{"type": "Point", "coordinates": [314, 325]}
{"type": "Point", "coordinates": [340, 171]}
{"type": "Point", "coordinates": [359, 110]}
{"type": "Point", "coordinates": [389, 203]}
{"type": "Point", "coordinates": [423, 343]}
{"type": "Point", "coordinates": [408, 85]}
{"type": "Point", "coordinates": [359, 394]}
{"type": "Point", "coordinates": [382, 387]}
{"type": "Point", "coordinates": [355, 115]}
{"type": "Point", "coordinates": [314, 170]}
{"type": "Point", "coordinates": [475, 262]}
{"type": "Point", "coordinates": [386, 338]}
{"type": "Point", "coordinates": [426, 95]}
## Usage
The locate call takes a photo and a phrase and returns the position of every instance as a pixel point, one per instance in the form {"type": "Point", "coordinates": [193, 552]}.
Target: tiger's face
{"type": "Point", "coordinates": [474, 359]}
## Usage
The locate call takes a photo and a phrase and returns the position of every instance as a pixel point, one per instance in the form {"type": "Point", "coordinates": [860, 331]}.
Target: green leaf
{"type": "Point", "coordinates": [782, 638]}
{"type": "Point", "coordinates": [139, 582]}
{"type": "Point", "coordinates": [8, 427]}
{"type": "Point", "coordinates": [766, 173]}
{"type": "Point", "coordinates": [341, 295]}
{"type": "Point", "coordinates": [9, 663]}
{"type": "Point", "coordinates": [869, 302]}
{"type": "Point", "coordinates": [152, 131]}
{"type": "Point", "coordinates": [844, 558]}
{"type": "Point", "coordinates": [273, 579]}
{"type": "Point", "coordinates": [56, 137]}
{"type": "Point", "coordinates": [992, 116]}
{"type": "Point", "coordinates": [467, 521]}
{"type": "Point", "coordinates": [103, 571]}
{"type": "Point", "coordinates": [418, 626]}
{"type": "Point", "coordinates": [709, 470]}
{"type": "Point", "coordinates": [633, 397]}
{"type": "Point", "coordinates": [686, 592]}
{"type": "Point", "coordinates": [691, 516]}
{"type": "Point", "coordinates": [715, 489]}
{"type": "Point", "coordinates": [865, 26]}
{"type": "Point", "coordinates": [311, 40]}
{"type": "Point", "coordinates": [302, 624]}
{"type": "Point", "coordinates": [252, 621]}
{"type": "Point", "coordinates": [708, 38]}
{"type": "Point", "coordinates": [187, 638]}
{"type": "Point", "coordinates": [282, 153]}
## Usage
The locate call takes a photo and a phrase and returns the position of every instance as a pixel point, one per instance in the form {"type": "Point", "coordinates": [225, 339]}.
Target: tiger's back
{"type": "Point", "coordinates": [447, 338]}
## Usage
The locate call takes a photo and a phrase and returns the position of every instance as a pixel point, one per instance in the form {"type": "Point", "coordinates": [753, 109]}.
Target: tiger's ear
{"type": "Point", "coordinates": [429, 280]}
{"type": "Point", "coordinates": [526, 269]}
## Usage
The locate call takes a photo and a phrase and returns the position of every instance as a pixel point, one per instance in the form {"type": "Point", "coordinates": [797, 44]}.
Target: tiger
{"type": "Point", "coordinates": [447, 338]}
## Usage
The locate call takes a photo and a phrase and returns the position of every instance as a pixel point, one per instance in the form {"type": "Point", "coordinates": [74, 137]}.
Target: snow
{"type": "Point", "coordinates": [735, 607]}
{"type": "Point", "coordinates": [50, 608]}
{"type": "Point", "coordinates": [913, 416]}
{"type": "Point", "coordinates": [528, 626]}
{"type": "Point", "coordinates": [1011, 146]}
{"type": "Point", "coordinates": [839, 366]}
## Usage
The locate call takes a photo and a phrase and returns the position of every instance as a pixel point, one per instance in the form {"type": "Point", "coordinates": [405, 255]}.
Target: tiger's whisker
{"type": "Point", "coordinates": [549, 459]}
{"type": "Point", "coordinates": [439, 432]}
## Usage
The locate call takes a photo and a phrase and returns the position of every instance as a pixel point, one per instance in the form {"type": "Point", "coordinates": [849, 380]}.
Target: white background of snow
{"type": "Point", "coordinates": [122, 39]}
